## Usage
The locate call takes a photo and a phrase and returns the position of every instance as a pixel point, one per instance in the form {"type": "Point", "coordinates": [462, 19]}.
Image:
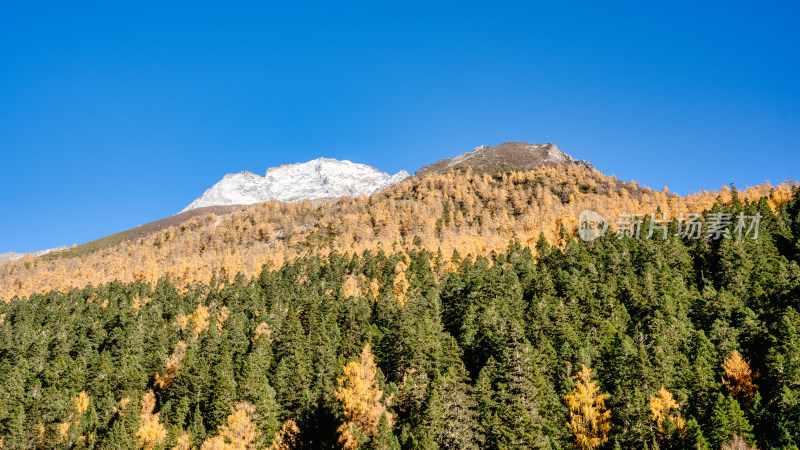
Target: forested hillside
{"type": "Point", "coordinates": [536, 342]}
{"type": "Point", "coordinates": [474, 212]}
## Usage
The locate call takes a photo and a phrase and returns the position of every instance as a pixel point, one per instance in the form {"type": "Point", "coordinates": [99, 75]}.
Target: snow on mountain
{"type": "Point", "coordinates": [319, 178]}
{"type": "Point", "coordinates": [11, 256]}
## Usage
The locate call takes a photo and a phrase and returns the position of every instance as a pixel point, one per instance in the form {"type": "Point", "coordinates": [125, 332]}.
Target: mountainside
{"type": "Point", "coordinates": [508, 155]}
{"type": "Point", "coordinates": [140, 231]}
{"type": "Point", "coordinates": [12, 256]}
{"type": "Point", "coordinates": [492, 199]}
{"type": "Point", "coordinates": [684, 337]}
{"type": "Point", "coordinates": [319, 178]}
{"type": "Point", "coordinates": [475, 212]}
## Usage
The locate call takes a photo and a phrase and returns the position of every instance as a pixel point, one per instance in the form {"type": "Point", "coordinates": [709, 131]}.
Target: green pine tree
{"type": "Point", "coordinates": [728, 419]}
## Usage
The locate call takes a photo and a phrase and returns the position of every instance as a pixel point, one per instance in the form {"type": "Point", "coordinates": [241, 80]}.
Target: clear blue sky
{"type": "Point", "coordinates": [113, 116]}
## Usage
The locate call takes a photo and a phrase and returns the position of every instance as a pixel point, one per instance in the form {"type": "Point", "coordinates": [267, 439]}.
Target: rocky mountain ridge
{"type": "Point", "coordinates": [316, 179]}
{"type": "Point", "coordinates": [519, 155]}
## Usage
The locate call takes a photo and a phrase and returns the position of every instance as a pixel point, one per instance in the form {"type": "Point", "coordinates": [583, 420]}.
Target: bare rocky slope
{"type": "Point", "coordinates": [517, 155]}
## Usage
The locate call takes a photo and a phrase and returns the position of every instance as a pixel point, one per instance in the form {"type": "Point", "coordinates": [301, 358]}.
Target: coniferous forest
{"type": "Point", "coordinates": [614, 343]}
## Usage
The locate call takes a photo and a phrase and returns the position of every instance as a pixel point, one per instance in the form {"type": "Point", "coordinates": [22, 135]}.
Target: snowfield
{"type": "Point", "coordinates": [319, 178]}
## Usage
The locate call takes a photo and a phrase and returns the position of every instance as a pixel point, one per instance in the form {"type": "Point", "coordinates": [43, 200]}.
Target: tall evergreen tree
{"type": "Point", "coordinates": [727, 420]}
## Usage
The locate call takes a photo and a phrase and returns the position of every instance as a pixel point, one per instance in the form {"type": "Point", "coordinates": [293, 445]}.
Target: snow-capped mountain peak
{"type": "Point", "coordinates": [318, 178]}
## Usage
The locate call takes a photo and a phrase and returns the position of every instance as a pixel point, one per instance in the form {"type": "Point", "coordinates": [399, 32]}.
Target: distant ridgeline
{"type": "Point", "coordinates": [465, 207]}
{"type": "Point", "coordinates": [619, 343]}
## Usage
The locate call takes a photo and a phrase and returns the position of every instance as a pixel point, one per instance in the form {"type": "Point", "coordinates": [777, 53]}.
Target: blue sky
{"type": "Point", "coordinates": [115, 115]}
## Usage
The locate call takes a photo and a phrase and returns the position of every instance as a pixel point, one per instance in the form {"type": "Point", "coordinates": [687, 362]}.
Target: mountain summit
{"type": "Point", "coordinates": [319, 178]}
{"type": "Point", "coordinates": [509, 154]}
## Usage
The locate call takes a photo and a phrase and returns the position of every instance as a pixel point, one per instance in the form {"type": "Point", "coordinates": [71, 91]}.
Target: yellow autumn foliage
{"type": "Point", "coordinates": [738, 378]}
{"type": "Point", "coordinates": [485, 211]}
{"type": "Point", "coordinates": [238, 433]}
{"type": "Point", "coordinates": [151, 432]}
{"type": "Point", "coordinates": [361, 398]}
{"type": "Point", "coordinates": [200, 319]}
{"type": "Point", "coordinates": [123, 405]}
{"type": "Point", "coordinates": [183, 321]}
{"type": "Point", "coordinates": [82, 402]}
{"type": "Point", "coordinates": [222, 317]}
{"type": "Point", "coordinates": [63, 431]}
{"type": "Point", "coordinates": [661, 407]}
{"type": "Point", "coordinates": [263, 330]}
{"type": "Point", "coordinates": [350, 287]}
{"type": "Point", "coordinates": [138, 302]}
{"type": "Point", "coordinates": [173, 365]}
{"type": "Point", "coordinates": [590, 420]}
{"type": "Point", "coordinates": [400, 287]}
{"type": "Point", "coordinates": [184, 442]}
{"type": "Point", "coordinates": [374, 288]}
{"type": "Point", "coordinates": [287, 437]}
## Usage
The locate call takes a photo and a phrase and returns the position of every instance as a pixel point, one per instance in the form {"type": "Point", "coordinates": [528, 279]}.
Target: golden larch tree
{"type": "Point", "coordinates": [589, 419]}
{"type": "Point", "coordinates": [82, 402]}
{"type": "Point", "coordinates": [151, 432]}
{"type": "Point", "coordinates": [222, 317]}
{"type": "Point", "coordinates": [350, 287]}
{"type": "Point", "coordinates": [183, 320]}
{"type": "Point", "coordinates": [263, 330]}
{"type": "Point", "coordinates": [661, 407]}
{"type": "Point", "coordinates": [63, 431]}
{"type": "Point", "coordinates": [287, 437]}
{"type": "Point", "coordinates": [238, 433]}
{"type": "Point", "coordinates": [374, 288]}
{"type": "Point", "coordinates": [173, 365]}
{"type": "Point", "coordinates": [184, 442]}
{"type": "Point", "coordinates": [361, 399]}
{"type": "Point", "coordinates": [400, 288]}
{"type": "Point", "coordinates": [739, 378]}
{"type": "Point", "coordinates": [200, 318]}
